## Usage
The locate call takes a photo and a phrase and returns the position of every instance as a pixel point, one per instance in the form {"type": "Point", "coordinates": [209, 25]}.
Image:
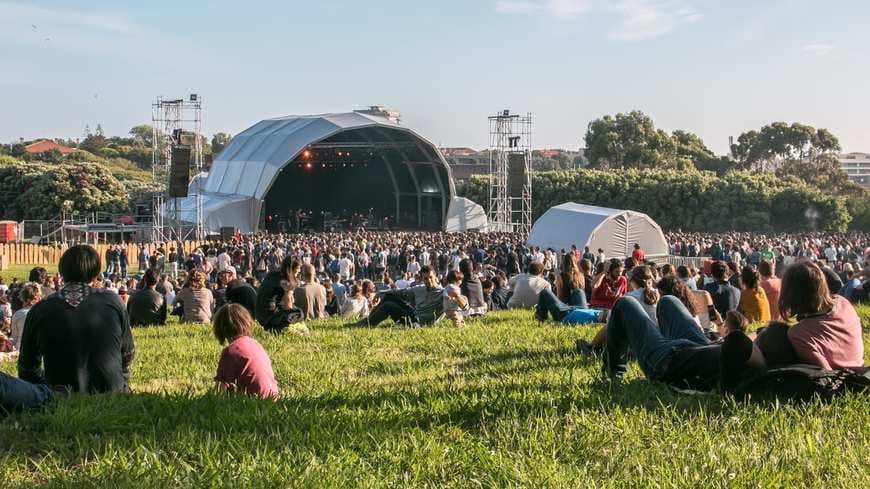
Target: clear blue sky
{"type": "Point", "coordinates": [712, 67]}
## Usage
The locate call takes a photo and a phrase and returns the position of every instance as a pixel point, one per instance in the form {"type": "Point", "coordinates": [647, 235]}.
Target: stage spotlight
{"type": "Point", "coordinates": [306, 154]}
{"type": "Point", "coordinates": [308, 165]}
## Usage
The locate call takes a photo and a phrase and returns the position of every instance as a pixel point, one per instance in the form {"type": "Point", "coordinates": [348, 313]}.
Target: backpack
{"type": "Point", "coordinates": [802, 383]}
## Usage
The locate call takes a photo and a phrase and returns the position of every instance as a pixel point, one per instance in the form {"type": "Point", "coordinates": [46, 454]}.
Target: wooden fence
{"type": "Point", "coordinates": [31, 254]}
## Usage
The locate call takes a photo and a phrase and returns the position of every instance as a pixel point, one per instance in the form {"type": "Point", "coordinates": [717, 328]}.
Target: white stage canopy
{"type": "Point", "coordinates": [465, 215]}
{"type": "Point", "coordinates": [612, 230]}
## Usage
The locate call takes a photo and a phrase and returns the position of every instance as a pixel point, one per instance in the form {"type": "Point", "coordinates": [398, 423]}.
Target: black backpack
{"type": "Point", "coordinates": [801, 383]}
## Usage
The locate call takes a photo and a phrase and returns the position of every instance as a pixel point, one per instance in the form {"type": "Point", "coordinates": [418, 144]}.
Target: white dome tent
{"type": "Point", "coordinates": [612, 230]}
{"type": "Point", "coordinates": [465, 215]}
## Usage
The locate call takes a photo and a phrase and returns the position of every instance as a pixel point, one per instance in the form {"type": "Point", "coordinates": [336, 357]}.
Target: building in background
{"type": "Point", "coordinates": [857, 166]}
{"type": "Point", "coordinates": [47, 145]}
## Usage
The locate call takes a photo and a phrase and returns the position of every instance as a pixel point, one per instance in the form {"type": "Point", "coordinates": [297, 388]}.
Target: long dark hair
{"type": "Point", "coordinates": [804, 291]}
{"type": "Point", "coordinates": [570, 275]}
{"type": "Point", "coordinates": [671, 285]}
{"type": "Point", "coordinates": [643, 276]}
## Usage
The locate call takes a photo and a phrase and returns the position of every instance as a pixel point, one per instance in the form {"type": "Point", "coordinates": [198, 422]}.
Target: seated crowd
{"type": "Point", "coordinates": [72, 332]}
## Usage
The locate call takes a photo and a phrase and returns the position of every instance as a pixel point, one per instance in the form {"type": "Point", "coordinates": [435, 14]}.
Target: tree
{"type": "Point", "coordinates": [142, 135]}
{"type": "Point", "coordinates": [628, 141]}
{"type": "Point", "coordinates": [774, 144]}
{"type": "Point", "coordinates": [822, 171]}
{"type": "Point", "coordinates": [219, 141]}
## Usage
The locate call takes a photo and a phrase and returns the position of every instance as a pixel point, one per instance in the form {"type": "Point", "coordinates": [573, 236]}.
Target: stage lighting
{"type": "Point", "coordinates": [306, 154]}
{"type": "Point", "coordinates": [308, 165]}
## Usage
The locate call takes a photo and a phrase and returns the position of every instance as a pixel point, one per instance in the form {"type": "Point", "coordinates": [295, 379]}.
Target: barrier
{"type": "Point", "coordinates": [31, 254]}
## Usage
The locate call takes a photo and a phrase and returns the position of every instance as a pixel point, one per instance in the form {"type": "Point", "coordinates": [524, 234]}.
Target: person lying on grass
{"type": "Point", "coordinates": [420, 304]}
{"type": "Point", "coordinates": [244, 365]}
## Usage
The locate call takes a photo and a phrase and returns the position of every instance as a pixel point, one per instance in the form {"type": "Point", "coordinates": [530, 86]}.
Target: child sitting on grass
{"type": "Point", "coordinates": [244, 365]}
{"type": "Point", "coordinates": [455, 304]}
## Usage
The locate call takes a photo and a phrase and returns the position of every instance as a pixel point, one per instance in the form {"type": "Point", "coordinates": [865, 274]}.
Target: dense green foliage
{"type": "Point", "coordinates": [688, 200]}
{"type": "Point", "coordinates": [504, 402]}
{"type": "Point", "coordinates": [36, 190]}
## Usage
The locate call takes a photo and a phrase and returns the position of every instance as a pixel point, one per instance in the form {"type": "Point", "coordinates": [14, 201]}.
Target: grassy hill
{"type": "Point", "coordinates": [503, 402]}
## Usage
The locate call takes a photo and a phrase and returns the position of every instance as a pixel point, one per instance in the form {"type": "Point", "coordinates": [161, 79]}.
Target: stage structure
{"type": "Point", "coordinates": [510, 185]}
{"type": "Point", "coordinates": [350, 170]}
{"type": "Point", "coordinates": [176, 127]}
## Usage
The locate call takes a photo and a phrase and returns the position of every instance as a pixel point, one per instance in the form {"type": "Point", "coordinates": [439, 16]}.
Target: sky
{"type": "Point", "coordinates": [716, 68]}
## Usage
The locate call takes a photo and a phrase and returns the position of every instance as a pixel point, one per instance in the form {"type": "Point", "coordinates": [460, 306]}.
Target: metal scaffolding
{"type": "Point", "coordinates": [510, 136]}
{"type": "Point", "coordinates": [170, 119]}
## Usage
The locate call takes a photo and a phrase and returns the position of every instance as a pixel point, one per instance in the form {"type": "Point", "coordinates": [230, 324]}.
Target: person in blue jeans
{"type": "Point", "coordinates": [550, 305]}
{"type": "Point", "coordinates": [675, 352]}
{"type": "Point", "coordinates": [18, 394]}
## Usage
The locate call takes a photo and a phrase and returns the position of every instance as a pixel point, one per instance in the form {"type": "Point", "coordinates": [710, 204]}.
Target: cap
{"type": "Point", "coordinates": [229, 269]}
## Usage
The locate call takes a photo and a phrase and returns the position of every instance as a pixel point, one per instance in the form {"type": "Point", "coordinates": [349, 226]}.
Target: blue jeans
{"type": "Point", "coordinates": [629, 327]}
{"type": "Point", "coordinates": [549, 304]}
{"type": "Point", "coordinates": [20, 394]}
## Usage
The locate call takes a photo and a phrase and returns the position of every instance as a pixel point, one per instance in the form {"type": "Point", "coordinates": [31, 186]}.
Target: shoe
{"type": "Point", "coordinates": [586, 348]}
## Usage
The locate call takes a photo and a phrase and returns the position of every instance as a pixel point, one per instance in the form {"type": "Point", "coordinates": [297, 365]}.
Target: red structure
{"type": "Point", "coordinates": [47, 145]}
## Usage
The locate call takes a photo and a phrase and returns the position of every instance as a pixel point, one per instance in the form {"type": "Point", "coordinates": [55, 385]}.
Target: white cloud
{"type": "Point", "coordinates": [637, 19]}
{"type": "Point", "coordinates": [817, 48]}
{"type": "Point", "coordinates": [644, 19]}
{"type": "Point", "coordinates": [516, 6]}
{"type": "Point", "coordinates": [567, 8]}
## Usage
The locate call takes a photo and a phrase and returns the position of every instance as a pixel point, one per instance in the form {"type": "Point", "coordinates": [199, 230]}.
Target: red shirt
{"type": "Point", "coordinates": [832, 340]}
{"type": "Point", "coordinates": [245, 367]}
{"type": "Point", "coordinates": [608, 292]}
{"type": "Point", "coordinates": [772, 287]}
{"type": "Point", "coordinates": [639, 256]}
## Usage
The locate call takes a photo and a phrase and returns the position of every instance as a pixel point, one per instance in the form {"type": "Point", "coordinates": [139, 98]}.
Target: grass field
{"type": "Point", "coordinates": [503, 402]}
{"type": "Point", "coordinates": [22, 271]}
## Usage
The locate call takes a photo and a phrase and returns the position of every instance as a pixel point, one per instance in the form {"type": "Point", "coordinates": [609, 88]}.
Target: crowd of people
{"type": "Point", "coordinates": [682, 321]}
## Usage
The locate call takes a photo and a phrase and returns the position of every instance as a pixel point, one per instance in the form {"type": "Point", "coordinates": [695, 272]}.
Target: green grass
{"type": "Point", "coordinates": [503, 402]}
{"type": "Point", "coordinates": [21, 272]}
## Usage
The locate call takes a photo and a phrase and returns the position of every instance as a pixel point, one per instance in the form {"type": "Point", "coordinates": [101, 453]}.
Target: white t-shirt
{"type": "Point", "coordinates": [344, 267]}
{"type": "Point", "coordinates": [18, 326]}
{"type": "Point", "coordinates": [223, 261]}
{"type": "Point", "coordinates": [413, 267]}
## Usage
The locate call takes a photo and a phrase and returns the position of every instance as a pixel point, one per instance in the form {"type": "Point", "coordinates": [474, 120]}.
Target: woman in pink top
{"type": "Point", "coordinates": [828, 332]}
{"type": "Point", "coordinates": [244, 366]}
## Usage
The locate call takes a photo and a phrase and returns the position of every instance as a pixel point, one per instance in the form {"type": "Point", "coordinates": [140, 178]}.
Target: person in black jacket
{"type": "Point", "coordinates": [471, 288]}
{"type": "Point", "coordinates": [80, 336]}
{"type": "Point", "coordinates": [240, 292]}
{"type": "Point", "coordinates": [275, 306]}
{"type": "Point", "coordinates": [147, 307]}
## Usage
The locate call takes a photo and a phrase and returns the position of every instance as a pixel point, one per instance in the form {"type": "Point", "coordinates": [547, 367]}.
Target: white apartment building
{"type": "Point", "coordinates": [857, 166]}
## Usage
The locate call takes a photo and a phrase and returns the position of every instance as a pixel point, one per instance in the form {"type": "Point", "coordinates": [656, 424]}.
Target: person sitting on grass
{"type": "Point", "coordinates": [31, 293]}
{"type": "Point", "coordinates": [244, 365]}
{"type": "Point", "coordinates": [550, 306]}
{"type": "Point", "coordinates": [275, 302]}
{"type": "Point", "coordinates": [355, 305]}
{"type": "Point", "coordinates": [528, 286]}
{"type": "Point", "coordinates": [79, 337]}
{"type": "Point", "coordinates": [753, 300]}
{"type": "Point", "coordinates": [725, 296]}
{"type": "Point", "coordinates": [147, 307]}
{"type": "Point", "coordinates": [197, 301]}
{"type": "Point", "coordinates": [455, 304]}
{"type": "Point", "coordinates": [420, 304]}
{"type": "Point", "coordinates": [570, 283]}
{"type": "Point", "coordinates": [828, 333]}
{"type": "Point", "coordinates": [608, 285]}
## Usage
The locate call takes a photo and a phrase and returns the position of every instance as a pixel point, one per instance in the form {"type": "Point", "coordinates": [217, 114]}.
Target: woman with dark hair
{"type": "Point", "coordinates": [275, 302]}
{"type": "Point", "coordinates": [79, 337]}
{"type": "Point", "coordinates": [570, 283]}
{"type": "Point", "coordinates": [643, 289]}
{"type": "Point", "coordinates": [828, 332]}
{"type": "Point", "coordinates": [753, 300]}
{"type": "Point", "coordinates": [471, 288]}
{"type": "Point", "coordinates": [609, 285]}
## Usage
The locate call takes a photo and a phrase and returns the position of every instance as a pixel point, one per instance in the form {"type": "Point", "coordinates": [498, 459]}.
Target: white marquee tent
{"type": "Point", "coordinates": [465, 215]}
{"type": "Point", "coordinates": [612, 230]}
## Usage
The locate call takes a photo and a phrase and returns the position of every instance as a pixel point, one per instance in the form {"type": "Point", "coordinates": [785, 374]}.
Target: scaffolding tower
{"type": "Point", "coordinates": [510, 184]}
{"type": "Point", "coordinates": [170, 119]}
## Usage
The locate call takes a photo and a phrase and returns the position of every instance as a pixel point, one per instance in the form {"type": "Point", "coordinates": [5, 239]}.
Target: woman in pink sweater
{"type": "Point", "coordinates": [244, 365]}
{"type": "Point", "coordinates": [828, 332]}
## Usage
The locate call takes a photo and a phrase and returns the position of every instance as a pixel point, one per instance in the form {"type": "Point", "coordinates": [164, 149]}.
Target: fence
{"type": "Point", "coordinates": [31, 254]}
